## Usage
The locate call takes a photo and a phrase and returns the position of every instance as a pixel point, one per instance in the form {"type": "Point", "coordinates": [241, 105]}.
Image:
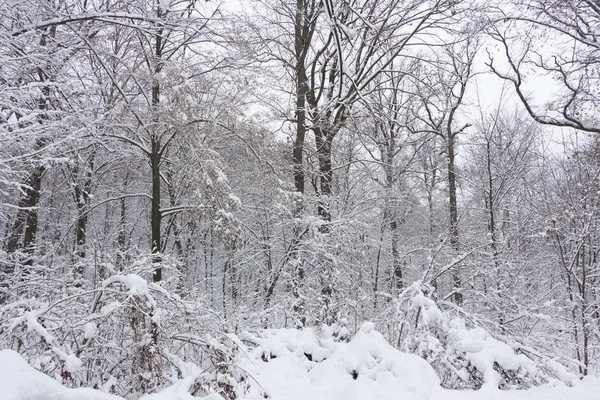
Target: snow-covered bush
{"type": "Point", "coordinates": [462, 352]}
{"type": "Point", "coordinates": [126, 336]}
{"type": "Point", "coordinates": [313, 363]}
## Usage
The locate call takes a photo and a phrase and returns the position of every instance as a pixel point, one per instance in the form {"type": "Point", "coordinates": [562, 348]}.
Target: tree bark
{"type": "Point", "coordinates": [155, 215]}
{"type": "Point", "coordinates": [454, 240]}
{"type": "Point", "coordinates": [324, 140]}
{"type": "Point", "coordinates": [300, 49]}
{"type": "Point", "coordinates": [156, 158]}
{"type": "Point", "coordinates": [303, 30]}
{"type": "Point", "coordinates": [81, 194]}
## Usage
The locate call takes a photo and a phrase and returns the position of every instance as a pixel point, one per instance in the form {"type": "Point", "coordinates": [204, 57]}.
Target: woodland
{"type": "Point", "coordinates": [175, 174]}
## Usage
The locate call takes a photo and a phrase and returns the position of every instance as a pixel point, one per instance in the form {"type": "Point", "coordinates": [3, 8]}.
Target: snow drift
{"type": "Point", "coordinates": [314, 364]}
{"type": "Point", "coordinates": [20, 381]}
{"type": "Point", "coordinates": [309, 364]}
{"type": "Point", "coordinates": [463, 353]}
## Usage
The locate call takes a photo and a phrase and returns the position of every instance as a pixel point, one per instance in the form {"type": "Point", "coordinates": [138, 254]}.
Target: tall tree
{"type": "Point", "coordinates": [443, 93]}
{"type": "Point", "coordinates": [34, 104]}
{"type": "Point", "coordinates": [160, 39]}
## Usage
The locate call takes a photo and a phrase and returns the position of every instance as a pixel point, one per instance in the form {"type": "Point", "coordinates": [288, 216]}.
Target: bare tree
{"type": "Point", "coordinates": [389, 109]}
{"type": "Point", "coordinates": [443, 92]}
{"type": "Point", "coordinates": [570, 65]}
{"type": "Point", "coordinates": [572, 229]}
{"type": "Point", "coordinates": [362, 40]}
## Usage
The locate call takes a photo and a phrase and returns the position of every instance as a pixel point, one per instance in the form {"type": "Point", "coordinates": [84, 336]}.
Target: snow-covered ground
{"type": "Point", "coordinates": [368, 368]}
{"type": "Point", "coordinates": [288, 364]}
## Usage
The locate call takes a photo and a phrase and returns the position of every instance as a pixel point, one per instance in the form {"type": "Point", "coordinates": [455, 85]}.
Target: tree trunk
{"type": "Point", "coordinates": [492, 215]}
{"type": "Point", "coordinates": [121, 236]}
{"type": "Point", "coordinates": [155, 215]}
{"type": "Point", "coordinates": [298, 149]}
{"type": "Point", "coordinates": [303, 31]}
{"type": "Point", "coordinates": [81, 194]}
{"type": "Point", "coordinates": [391, 212]}
{"type": "Point", "coordinates": [454, 242]}
{"type": "Point", "coordinates": [30, 201]}
{"type": "Point", "coordinates": [156, 158]}
{"type": "Point", "coordinates": [323, 140]}
{"type": "Point", "coordinates": [26, 222]}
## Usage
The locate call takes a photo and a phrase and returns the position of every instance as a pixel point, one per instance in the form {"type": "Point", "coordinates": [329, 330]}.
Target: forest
{"type": "Point", "coordinates": [194, 193]}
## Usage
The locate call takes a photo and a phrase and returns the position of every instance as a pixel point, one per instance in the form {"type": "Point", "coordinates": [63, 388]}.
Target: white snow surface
{"type": "Point", "coordinates": [135, 283]}
{"type": "Point", "coordinates": [19, 381]}
{"type": "Point", "coordinates": [288, 364]}
{"type": "Point", "coordinates": [279, 363]}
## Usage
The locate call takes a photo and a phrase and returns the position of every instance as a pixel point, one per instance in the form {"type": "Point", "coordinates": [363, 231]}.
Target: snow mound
{"type": "Point", "coordinates": [468, 357]}
{"type": "Point", "coordinates": [289, 364]}
{"type": "Point", "coordinates": [135, 283]}
{"type": "Point", "coordinates": [368, 367]}
{"type": "Point", "coordinates": [314, 365]}
{"type": "Point", "coordinates": [20, 381]}
{"type": "Point", "coordinates": [311, 364]}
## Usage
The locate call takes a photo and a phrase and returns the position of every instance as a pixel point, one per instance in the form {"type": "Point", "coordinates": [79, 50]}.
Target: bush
{"type": "Point", "coordinates": [127, 336]}
{"type": "Point", "coordinates": [462, 352]}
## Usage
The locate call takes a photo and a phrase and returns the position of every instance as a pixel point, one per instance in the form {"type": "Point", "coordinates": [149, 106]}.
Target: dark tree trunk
{"type": "Point", "coordinates": [156, 158]}
{"type": "Point", "coordinates": [26, 222]}
{"type": "Point", "coordinates": [324, 140]}
{"type": "Point", "coordinates": [81, 194]}
{"type": "Point", "coordinates": [301, 127]}
{"type": "Point", "coordinates": [304, 26]}
{"type": "Point", "coordinates": [155, 215]}
{"type": "Point", "coordinates": [490, 202]}
{"type": "Point", "coordinates": [391, 211]}
{"type": "Point", "coordinates": [454, 242]}
{"type": "Point", "coordinates": [122, 237]}
{"type": "Point", "coordinates": [29, 202]}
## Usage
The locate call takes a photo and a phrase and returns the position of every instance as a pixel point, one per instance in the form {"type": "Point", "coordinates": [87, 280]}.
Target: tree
{"type": "Point", "coordinates": [166, 33]}
{"type": "Point", "coordinates": [389, 109]}
{"type": "Point", "coordinates": [443, 92]}
{"type": "Point", "coordinates": [570, 65]}
{"type": "Point", "coordinates": [572, 232]}
{"type": "Point", "coordinates": [35, 114]}
{"type": "Point", "coordinates": [501, 152]}
{"type": "Point", "coordinates": [363, 40]}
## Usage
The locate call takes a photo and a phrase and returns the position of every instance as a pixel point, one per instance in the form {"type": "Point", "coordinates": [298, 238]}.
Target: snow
{"type": "Point", "coordinates": [368, 368]}
{"type": "Point", "coordinates": [235, 200]}
{"type": "Point", "coordinates": [482, 351]}
{"type": "Point", "coordinates": [70, 361]}
{"type": "Point", "coordinates": [135, 283]}
{"type": "Point", "coordinates": [367, 327]}
{"type": "Point", "coordinates": [289, 364]}
{"type": "Point", "coordinates": [89, 330]}
{"type": "Point", "coordinates": [466, 355]}
{"type": "Point", "coordinates": [562, 373]}
{"type": "Point", "coordinates": [365, 368]}
{"type": "Point", "coordinates": [30, 318]}
{"type": "Point", "coordinates": [429, 310]}
{"type": "Point", "coordinates": [19, 381]}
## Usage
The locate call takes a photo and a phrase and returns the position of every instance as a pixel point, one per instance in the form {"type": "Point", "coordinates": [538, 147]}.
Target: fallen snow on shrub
{"type": "Point", "coordinates": [467, 356]}
{"type": "Point", "coordinates": [312, 364]}
{"type": "Point", "coordinates": [315, 365]}
{"type": "Point", "coordinates": [20, 381]}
